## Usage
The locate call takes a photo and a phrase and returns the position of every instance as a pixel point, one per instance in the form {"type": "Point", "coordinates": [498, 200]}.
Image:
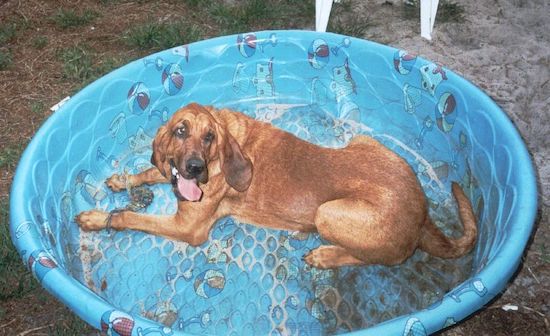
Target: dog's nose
{"type": "Point", "coordinates": [194, 166]}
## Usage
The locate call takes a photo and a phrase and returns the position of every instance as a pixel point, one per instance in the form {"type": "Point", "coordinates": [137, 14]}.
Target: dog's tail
{"type": "Point", "coordinates": [437, 244]}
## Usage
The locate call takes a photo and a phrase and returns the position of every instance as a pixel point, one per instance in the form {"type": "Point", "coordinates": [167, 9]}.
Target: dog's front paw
{"type": "Point", "coordinates": [93, 220]}
{"type": "Point", "coordinates": [116, 182]}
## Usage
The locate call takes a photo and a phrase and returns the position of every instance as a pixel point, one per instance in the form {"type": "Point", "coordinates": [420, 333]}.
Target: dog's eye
{"type": "Point", "coordinates": [209, 137]}
{"type": "Point", "coordinates": [181, 131]}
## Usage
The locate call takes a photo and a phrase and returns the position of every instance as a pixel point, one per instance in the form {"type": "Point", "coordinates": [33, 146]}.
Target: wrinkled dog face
{"type": "Point", "coordinates": [183, 148]}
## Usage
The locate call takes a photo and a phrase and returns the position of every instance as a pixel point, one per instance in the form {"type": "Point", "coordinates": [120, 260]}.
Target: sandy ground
{"type": "Point", "coordinates": [503, 46]}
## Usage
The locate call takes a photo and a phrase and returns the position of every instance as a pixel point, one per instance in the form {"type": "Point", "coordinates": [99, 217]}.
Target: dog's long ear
{"type": "Point", "coordinates": [158, 158]}
{"type": "Point", "coordinates": [236, 167]}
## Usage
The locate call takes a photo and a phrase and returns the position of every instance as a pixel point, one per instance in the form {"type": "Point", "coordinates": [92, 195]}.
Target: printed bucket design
{"type": "Point", "coordinates": [324, 88]}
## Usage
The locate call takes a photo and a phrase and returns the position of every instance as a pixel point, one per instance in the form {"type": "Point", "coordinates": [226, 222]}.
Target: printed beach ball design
{"type": "Point", "coordinates": [138, 98]}
{"type": "Point", "coordinates": [403, 62]}
{"type": "Point", "coordinates": [247, 44]}
{"type": "Point", "coordinates": [209, 283]}
{"type": "Point", "coordinates": [414, 328]}
{"type": "Point", "coordinates": [318, 54]}
{"type": "Point", "coordinates": [445, 112]}
{"type": "Point", "coordinates": [40, 263]}
{"type": "Point", "coordinates": [117, 323]}
{"type": "Point", "coordinates": [172, 79]}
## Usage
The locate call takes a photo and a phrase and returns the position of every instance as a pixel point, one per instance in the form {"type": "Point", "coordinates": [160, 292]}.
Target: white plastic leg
{"type": "Point", "coordinates": [322, 13]}
{"type": "Point", "coordinates": [428, 10]}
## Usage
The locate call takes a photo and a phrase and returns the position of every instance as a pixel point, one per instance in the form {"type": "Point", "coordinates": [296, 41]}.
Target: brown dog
{"type": "Point", "coordinates": [363, 198]}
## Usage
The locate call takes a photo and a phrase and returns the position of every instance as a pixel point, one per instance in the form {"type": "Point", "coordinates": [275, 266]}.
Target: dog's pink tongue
{"type": "Point", "coordinates": [189, 189]}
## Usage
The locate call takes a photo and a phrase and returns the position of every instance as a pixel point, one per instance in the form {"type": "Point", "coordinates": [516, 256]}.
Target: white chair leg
{"type": "Point", "coordinates": [428, 10]}
{"type": "Point", "coordinates": [322, 14]}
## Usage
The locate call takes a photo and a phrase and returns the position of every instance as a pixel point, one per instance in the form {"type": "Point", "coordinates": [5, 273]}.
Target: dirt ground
{"type": "Point", "coordinates": [502, 46]}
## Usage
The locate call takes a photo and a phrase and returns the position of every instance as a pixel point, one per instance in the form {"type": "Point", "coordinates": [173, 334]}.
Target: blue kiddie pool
{"type": "Point", "coordinates": [246, 280]}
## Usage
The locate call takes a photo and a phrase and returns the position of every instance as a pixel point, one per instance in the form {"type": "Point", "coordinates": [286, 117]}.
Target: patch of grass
{"type": "Point", "coordinates": [15, 279]}
{"type": "Point", "coordinates": [163, 35]}
{"type": "Point", "coordinates": [449, 11]}
{"type": "Point", "coordinates": [37, 107]}
{"type": "Point", "coordinates": [81, 64]}
{"type": "Point", "coordinates": [256, 10]}
{"type": "Point", "coordinates": [246, 15]}
{"type": "Point", "coordinates": [305, 9]}
{"type": "Point", "coordinates": [9, 156]}
{"type": "Point", "coordinates": [68, 18]}
{"type": "Point", "coordinates": [5, 59]}
{"type": "Point", "coordinates": [353, 26]}
{"type": "Point", "coordinates": [192, 3]}
{"type": "Point", "coordinates": [7, 32]}
{"type": "Point", "coordinates": [218, 17]}
{"type": "Point", "coordinates": [344, 21]}
{"type": "Point", "coordinates": [39, 42]}
{"type": "Point", "coordinates": [77, 63]}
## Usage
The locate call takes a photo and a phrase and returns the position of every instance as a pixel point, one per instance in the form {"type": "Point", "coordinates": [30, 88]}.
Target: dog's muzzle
{"type": "Point", "coordinates": [185, 189]}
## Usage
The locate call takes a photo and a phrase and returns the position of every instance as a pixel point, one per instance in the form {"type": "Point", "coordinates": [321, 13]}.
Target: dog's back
{"type": "Point", "coordinates": [293, 178]}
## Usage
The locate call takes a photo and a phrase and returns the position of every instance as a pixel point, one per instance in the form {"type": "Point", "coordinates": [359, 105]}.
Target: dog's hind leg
{"type": "Point", "coordinates": [361, 233]}
{"type": "Point", "coordinates": [121, 182]}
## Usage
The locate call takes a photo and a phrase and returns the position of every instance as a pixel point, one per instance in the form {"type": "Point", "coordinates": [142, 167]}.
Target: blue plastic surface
{"type": "Point", "coordinates": [324, 88]}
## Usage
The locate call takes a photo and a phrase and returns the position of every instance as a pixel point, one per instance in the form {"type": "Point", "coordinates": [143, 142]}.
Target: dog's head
{"type": "Point", "coordinates": [190, 143]}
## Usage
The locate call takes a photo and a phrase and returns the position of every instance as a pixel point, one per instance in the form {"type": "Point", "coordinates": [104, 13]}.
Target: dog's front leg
{"type": "Point", "coordinates": [191, 229]}
{"type": "Point", "coordinates": [150, 176]}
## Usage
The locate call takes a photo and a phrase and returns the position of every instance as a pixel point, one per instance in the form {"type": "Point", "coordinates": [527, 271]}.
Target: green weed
{"type": "Point", "coordinates": [37, 107]}
{"type": "Point", "coordinates": [68, 18]}
{"type": "Point", "coordinates": [7, 32]}
{"type": "Point", "coordinates": [15, 280]}
{"type": "Point", "coordinates": [5, 59]}
{"type": "Point", "coordinates": [81, 64]}
{"type": "Point", "coordinates": [344, 21]}
{"type": "Point", "coordinates": [39, 42]}
{"type": "Point", "coordinates": [9, 156]}
{"type": "Point", "coordinates": [450, 12]}
{"type": "Point", "coordinates": [163, 35]}
{"type": "Point", "coordinates": [250, 15]}
{"type": "Point", "coordinates": [192, 3]}
{"type": "Point", "coordinates": [352, 26]}
{"type": "Point", "coordinates": [77, 63]}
